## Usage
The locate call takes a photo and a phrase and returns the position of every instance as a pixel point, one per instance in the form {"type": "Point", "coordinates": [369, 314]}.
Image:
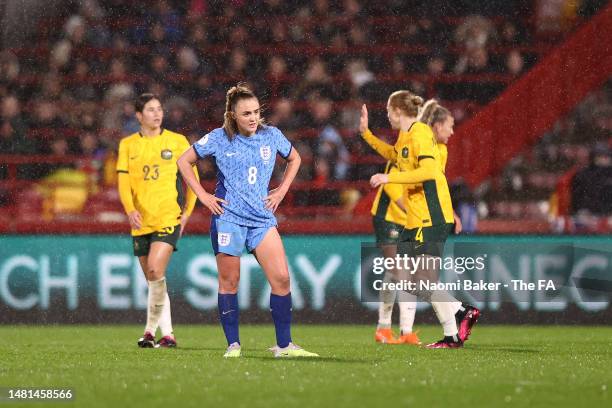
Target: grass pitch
{"type": "Point", "coordinates": [500, 366]}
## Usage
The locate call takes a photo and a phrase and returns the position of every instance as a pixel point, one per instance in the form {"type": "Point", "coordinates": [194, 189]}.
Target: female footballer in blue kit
{"type": "Point", "coordinates": [245, 152]}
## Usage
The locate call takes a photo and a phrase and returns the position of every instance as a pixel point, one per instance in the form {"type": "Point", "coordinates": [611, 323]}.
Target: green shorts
{"type": "Point", "coordinates": [425, 240]}
{"type": "Point", "coordinates": [142, 243]}
{"type": "Point", "coordinates": [386, 232]}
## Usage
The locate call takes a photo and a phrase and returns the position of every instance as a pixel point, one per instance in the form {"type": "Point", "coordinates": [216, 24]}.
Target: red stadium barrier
{"type": "Point", "coordinates": [530, 106]}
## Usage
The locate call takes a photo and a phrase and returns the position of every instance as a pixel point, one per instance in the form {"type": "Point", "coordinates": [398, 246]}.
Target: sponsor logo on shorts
{"type": "Point", "coordinates": [166, 231]}
{"type": "Point", "coordinates": [224, 238]}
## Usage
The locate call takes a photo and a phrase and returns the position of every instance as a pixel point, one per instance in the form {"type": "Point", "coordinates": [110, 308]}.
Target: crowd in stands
{"type": "Point", "coordinates": [70, 91]}
{"type": "Point", "coordinates": [567, 176]}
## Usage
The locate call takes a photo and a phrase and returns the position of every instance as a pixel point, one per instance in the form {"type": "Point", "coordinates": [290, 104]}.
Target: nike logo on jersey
{"type": "Point", "coordinates": [229, 311]}
{"type": "Point", "coordinates": [230, 154]}
{"type": "Point", "coordinates": [132, 158]}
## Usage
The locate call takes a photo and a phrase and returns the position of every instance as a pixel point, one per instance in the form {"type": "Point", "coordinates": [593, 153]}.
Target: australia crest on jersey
{"type": "Point", "coordinates": [266, 153]}
{"type": "Point", "coordinates": [166, 154]}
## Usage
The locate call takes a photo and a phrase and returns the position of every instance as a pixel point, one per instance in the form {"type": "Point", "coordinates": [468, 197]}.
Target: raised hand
{"type": "Point", "coordinates": [363, 119]}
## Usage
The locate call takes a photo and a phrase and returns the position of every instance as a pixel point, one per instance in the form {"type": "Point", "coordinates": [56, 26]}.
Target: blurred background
{"type": "Point", "coordinates": [529, 90]}
{"type": "Point", "coordinates": [528, 82]}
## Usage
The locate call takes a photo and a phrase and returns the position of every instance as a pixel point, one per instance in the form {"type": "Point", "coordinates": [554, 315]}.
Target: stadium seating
{"type": "Point", "coordinates": [115, 56]}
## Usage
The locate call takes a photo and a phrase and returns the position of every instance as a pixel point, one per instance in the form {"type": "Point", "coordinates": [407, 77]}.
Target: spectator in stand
{"type": "Point", "coordinates": [238, 36]}
{"type": "Point", "coordinates": [158, 70]}
{"type": "Point", "coordinates": [283, 116]}
{"type": "Point", "coordinates": [510, 34]}
{"type": "Point", "coordinates": [89, 145]}
{"type": "Point", "coordinates": [515, 64]}
{"type": "Point", "coordinates": [178, 114]}
{"type": "Point", "coordinates": [436, 64]}
{"type": "Point", "coordinates": [80, 86]}
{"type": "Point", "coordinates": [474, 61]}
{"type": "Point", "coordinates": [116, 98]}
{"type": "Point", "coordinates": [169, 20]}
{"type": "Point", "coordinates": [273, 8]}
{"type": "Point", "coordinates": [351, 9]}
{"type": "Point", "coordinates": [277, 33]}
{"type": "Point", "coordinates": [97, 32]}
{"type": "Point", "coordinates": [475, 32]}
{"type": "Point", "coordinates": [592, 186]}
{"type": "Point", "coordinates": [13, 128]}
{"type": "Point", "coordinates": [9, 68]}
{"type": "Point", "coordinates": [59, 147]}
{"type": "Point", "coordinates": [120, 88]}
{"type": "Point", "coordinates": [316, 79]}
{"type": "Point", "coordinates": [359, 75]}
{"type": "Point", "coordinates": [187, 70]}
{"type": "Point", "coordinates": [198, 37]}
{"type": "Point", "coordinates": [299, 30]}
{"type": "Point", "coordinates": [13, 141]}
{"type": "Point", "coordinates": [187, 62]}
{"type": "Point", "coordinates": [276, 77]}
{"type": "Point", "coordinates": [196, 11]}
{"type": "Point", "coordinates": [198, 41]}
{"type": "Point", "coordinates": [330, 146]}
{"type": "Point", "coordinates": [128, 121]}
{"type": "Point", "coordinates": [78, 37]}
{"type": "Point", "coordinates": [324, 16]}
{"type": "Point", "coordinates": [82, 115]}
{"type": "Point", "coordinates": [237, 63]}
{"type": "Point", "coordinates": [46, 117]}
{"type": "Point", "coordinates": [52, 87]}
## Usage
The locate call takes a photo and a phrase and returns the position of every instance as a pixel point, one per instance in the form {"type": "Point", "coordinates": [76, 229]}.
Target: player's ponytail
{"type": "Point", "coordinates": [234, 94]}
{"type": "Point", "coordinates": [433, 113]}
{"type": "Point", "coordinates": [407, 102]}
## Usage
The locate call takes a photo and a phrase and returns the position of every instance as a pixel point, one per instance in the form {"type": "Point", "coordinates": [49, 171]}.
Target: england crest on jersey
{"type": "Point", "coordinates": [266, 153]}
{"type": "Point", "coordinates": [224, 238]}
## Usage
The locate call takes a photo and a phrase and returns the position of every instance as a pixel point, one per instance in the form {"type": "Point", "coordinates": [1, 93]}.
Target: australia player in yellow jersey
{"type": "Point", "coordinates": [442, 123]}
{"type": "Point", "coordinates": [427, 200]}
{"type": "Point", "coordinates": [388, 218]}
{"type": "Point", "coordinates": [157, 205]}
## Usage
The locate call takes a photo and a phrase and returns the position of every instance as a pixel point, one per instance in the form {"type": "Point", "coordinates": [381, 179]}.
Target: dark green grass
{"type": "Point", "coordinates": [500, 366]}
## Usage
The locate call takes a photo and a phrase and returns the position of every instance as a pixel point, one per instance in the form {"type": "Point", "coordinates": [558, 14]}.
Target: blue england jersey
{"type": "Point", "coordinates": [245, 167]}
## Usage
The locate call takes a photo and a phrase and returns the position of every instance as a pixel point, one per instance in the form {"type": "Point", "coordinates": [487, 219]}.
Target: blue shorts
{"type": "Point", "coordinates": [230, 238]}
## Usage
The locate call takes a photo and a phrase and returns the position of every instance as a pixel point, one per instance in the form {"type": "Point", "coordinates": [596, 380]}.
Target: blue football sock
{"type": "Point", "coordinates": [280, 307]}
{"type": "Point", "coordinates": [228, 315]}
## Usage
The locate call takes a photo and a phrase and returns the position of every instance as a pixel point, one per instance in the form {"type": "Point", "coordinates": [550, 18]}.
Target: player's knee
{"type": "Point", "coordinates": [281, 283]}
{"type": "Point", "coordinates": [228, 284]}
{"type": "Point", "coordinates": [154, 274]}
